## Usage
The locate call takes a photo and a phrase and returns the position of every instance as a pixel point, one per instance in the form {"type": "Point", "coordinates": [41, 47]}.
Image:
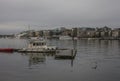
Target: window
{"type": "Point", "coordinates": [33, 44]}
{"type": "Point", "coordinates": [37, 44]}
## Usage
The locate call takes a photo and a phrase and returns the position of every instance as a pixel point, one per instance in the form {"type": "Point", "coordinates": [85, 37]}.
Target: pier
{"type": "Point", "coordinates": [66, 54]}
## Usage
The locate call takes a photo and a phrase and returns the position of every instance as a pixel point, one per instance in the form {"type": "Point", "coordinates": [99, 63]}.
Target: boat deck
{"type": "Point", "coordinates": [37, 51]}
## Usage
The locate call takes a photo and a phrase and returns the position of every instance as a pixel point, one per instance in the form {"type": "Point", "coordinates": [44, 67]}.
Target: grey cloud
{"type": "Point", "coordinates": [53, 13]}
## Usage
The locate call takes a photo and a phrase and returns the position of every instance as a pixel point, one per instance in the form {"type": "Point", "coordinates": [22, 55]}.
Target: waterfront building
{"type": "Point", "coordinates": [47, 34]}
{"type": "Point", "coordinates": [97, 34]}
{"type": "Point", "coordinates": [90, 34]}
{"type": "Point", "coordinates": [86, 32]}
{"type": "Point", "coordinates": [105, 28]}
{"type": "Point", "coordinates": [67, 32]}
{"type": "Point", "coordinates": [74, 32]}
{"type": "Point", "coordinates": [116, 33]}
{"type": "Point", "coordinates": [37, 34]}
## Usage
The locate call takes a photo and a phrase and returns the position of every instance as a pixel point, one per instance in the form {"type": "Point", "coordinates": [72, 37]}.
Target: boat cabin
{"type": "Point", "coordinates": [40, 44]}
{"type": "Point", "coordinates": [37, 44]}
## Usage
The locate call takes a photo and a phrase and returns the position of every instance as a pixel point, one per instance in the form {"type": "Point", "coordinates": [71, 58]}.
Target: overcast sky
{"type": "Point", "coordinates": [42, 14]}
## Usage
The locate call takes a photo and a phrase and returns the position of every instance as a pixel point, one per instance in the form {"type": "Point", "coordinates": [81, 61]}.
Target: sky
{"type": "Point", "coordinates": [17, 15]}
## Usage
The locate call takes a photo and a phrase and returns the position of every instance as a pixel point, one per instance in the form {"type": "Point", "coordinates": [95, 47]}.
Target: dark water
{"type": "Point", "coordinates": [95, 61]}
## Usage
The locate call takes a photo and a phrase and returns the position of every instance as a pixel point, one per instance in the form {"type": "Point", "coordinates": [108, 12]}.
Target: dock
{"type": "Point", "coordinates": [65, 54]}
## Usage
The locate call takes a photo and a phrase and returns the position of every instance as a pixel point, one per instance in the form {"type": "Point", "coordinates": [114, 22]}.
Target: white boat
{"type": "Point", "coordinates": [38, 46]}
{"type": "Point", "coordinates": [65, 38]}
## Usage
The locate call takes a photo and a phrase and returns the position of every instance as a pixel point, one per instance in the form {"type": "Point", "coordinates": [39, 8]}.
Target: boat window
{"type": "Point", "coordinates": [33, 44]}
{"type": "Point", "coordinates": [44, 43]}
{"type": "Point", "coordinates": [37, 44]}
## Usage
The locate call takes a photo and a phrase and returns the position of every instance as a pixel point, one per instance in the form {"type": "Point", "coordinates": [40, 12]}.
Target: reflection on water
{"type": "Point", "coordinates": [95, 65]}
{"type": "Point", "coordinates": [40, 58]}
{"type": "Point", "coordinates": [36, 58]}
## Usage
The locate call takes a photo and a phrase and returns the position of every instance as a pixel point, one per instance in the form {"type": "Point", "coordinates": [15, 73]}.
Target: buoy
{"type": "Point", "coordinates": [6, 49]}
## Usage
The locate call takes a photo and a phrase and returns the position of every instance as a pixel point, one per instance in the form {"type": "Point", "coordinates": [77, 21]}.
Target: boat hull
{"type": "Point", "coordinates": [34, 51]}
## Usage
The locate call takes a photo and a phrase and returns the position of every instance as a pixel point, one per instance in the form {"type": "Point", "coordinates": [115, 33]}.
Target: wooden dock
{"type": "Point", "coordinates": [65, 54]}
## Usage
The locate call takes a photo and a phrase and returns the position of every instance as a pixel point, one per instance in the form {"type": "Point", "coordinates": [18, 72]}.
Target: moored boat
{"type": "Point", "coordinates": [65, 38]}
{"type": "Point", "coordinates": [39, 46]}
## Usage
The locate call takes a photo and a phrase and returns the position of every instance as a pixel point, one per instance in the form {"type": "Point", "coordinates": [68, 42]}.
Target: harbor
{"type": "Point", "coordinates": [93, 57]}
{"type": "Point", "coordinates": [59, 40]}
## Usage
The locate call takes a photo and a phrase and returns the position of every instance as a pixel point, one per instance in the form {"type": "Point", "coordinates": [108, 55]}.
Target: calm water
{"type": "Point", "coordinates": [95, 61]}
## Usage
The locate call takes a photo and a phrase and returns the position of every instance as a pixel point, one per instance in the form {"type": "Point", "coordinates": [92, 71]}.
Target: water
{"type": "Point", "coordinates": [95, 61]}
